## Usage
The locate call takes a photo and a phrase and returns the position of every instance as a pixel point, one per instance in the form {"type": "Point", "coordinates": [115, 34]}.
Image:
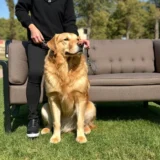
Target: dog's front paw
{"type": "Point", "coordinates": [45, 130]}
{"type": "Point", "coordinates": [81, 139]}
{"type": "Point", "coordinates": [55, 139]}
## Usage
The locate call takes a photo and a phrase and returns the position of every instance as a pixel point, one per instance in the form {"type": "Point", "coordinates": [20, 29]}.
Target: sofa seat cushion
{"type": "Point", "coordinates": [18, 94]}
{"type": "Point", "coordinates": [125, 79]}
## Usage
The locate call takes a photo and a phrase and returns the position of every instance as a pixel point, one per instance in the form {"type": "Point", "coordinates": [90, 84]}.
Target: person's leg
{"type": "Point", "coordinates": [36, 57]}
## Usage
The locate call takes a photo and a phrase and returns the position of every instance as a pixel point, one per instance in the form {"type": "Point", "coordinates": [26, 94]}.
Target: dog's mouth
{"type": "Point", "coordinates": [74, 54]}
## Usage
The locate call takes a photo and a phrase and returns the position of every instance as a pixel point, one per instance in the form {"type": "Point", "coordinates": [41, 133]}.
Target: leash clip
{"type": "Point", "coordinates": [44, 44]}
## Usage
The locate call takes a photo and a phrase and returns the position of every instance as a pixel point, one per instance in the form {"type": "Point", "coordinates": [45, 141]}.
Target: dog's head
{"type": "Point", "coordinates": [66, 43]}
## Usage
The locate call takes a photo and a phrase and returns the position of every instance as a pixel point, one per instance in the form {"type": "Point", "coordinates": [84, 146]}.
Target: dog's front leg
{"type": "Point", "coordinates": [55, 110]}
{"type": "Point", "coordinates": [81, 138]}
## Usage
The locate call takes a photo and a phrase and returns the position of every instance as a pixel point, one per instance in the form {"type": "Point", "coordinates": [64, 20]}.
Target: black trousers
{"type": "Point", "coordinates": [36, 55]}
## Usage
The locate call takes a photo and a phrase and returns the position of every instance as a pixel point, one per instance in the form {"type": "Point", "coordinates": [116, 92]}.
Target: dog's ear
{"type": "Point", "coordinates": [52, 43]}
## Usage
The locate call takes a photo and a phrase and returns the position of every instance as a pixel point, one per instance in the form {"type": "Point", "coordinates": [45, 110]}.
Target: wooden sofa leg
{"type": "Point", "coordinates": [145, 104]}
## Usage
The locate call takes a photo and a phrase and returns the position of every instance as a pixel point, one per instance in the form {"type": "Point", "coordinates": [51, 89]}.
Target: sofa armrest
{"type": "Point", "coordinates": [156, 47]}
{"type": "Point", "coordinates": [4, 65]}
{"type": "Point", "coordinates": [17, 62]}
{"type": "Point", "coordinates": [7, 111]}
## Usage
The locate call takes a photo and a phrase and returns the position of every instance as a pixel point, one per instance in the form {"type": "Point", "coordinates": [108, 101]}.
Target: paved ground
{"type": "Point", "coordinates": [1, 75]}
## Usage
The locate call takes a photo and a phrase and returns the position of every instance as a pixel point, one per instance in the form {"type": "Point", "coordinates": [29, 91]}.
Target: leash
{"type": "Point", "coordinates": [44, 45]}
{"type": "Point", "coordinates": [89, 61]}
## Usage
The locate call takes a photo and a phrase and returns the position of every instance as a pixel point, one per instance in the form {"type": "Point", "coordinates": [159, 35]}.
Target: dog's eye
{"type": "Point", "coordinates": [66, 39]}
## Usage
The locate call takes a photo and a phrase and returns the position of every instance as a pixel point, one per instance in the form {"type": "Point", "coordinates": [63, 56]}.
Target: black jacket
{"type": "Point", "coordinates": [50, 18]}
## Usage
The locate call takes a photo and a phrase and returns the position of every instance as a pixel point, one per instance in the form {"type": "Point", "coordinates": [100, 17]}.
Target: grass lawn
{"type": "Point", "coordinates": [125, 131]}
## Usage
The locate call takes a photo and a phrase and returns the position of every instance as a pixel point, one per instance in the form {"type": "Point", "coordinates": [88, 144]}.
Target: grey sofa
{"type": "Point", "coordinates": [119, 70]}
{"type": "Point", "coordinates": [125, 70]}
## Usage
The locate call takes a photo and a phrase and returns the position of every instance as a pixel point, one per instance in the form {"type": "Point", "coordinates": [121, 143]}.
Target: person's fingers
{"type": "Point", "coordinates": [39, 39]}
{"type": "Point", "coordinates": [86, 43]}
{"type": "Point", "coordinates": [36, 35]}
{"type": "Point", "coordinates": [36, 40]}
{"type": "Point", "coordinates": [81, 42]}
{"type": "Point", "coordinates": [42, 38]}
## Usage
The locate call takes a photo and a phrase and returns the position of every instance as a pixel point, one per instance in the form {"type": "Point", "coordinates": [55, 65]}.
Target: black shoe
{"type": "Point", "coordinates": [33, 128]}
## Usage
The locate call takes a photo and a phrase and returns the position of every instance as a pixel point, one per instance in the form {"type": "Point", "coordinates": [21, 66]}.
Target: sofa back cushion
{"type": "Point", "coordinates": [17, 62]}
{"type": "Point", "coordinates": [122, 56]}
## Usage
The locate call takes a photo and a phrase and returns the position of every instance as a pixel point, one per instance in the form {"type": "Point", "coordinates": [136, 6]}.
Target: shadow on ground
{"type": "Point", "coordinates": [106, 111]}
{"type": "Point", "coordinates": [128, 111]}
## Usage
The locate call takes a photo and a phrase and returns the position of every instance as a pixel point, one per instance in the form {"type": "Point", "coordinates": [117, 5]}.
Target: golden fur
{"type": "Point", "coordinates": [67, 85]}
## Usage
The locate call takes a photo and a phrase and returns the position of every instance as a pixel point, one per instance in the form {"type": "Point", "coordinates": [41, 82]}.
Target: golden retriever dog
{"type": "Point", "coordinates": [67, 86]}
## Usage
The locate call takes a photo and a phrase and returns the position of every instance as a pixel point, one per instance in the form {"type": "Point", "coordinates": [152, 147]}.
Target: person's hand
{"type": "Point", "coordinates": [36, 35]}
{"type": "Point", "coordinates": [85, 42]}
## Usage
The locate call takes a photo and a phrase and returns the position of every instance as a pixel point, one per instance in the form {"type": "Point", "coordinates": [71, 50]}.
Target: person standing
{"type": "Point", "coordinates": [42, 19]}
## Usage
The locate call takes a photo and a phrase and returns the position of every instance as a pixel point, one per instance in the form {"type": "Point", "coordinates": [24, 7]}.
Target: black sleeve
{"type": "Point", "coordinates": [22, 12]}
{"type": "Point", "coordinates": [70, 18]}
